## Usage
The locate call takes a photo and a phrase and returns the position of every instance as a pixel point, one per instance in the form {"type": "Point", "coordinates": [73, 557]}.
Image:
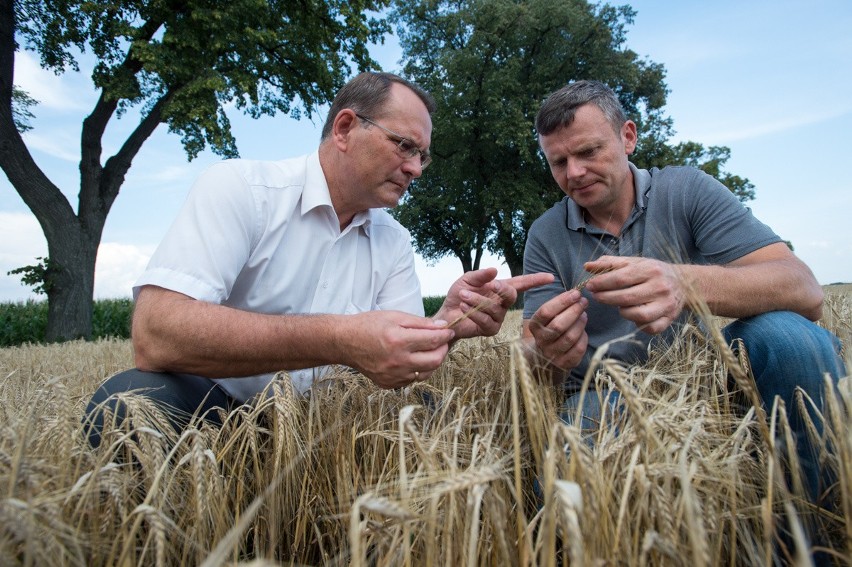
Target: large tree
{"type": "Point", "coordinates": [179, 63]}
{"type": "Point", "coordinates": [490, 64]}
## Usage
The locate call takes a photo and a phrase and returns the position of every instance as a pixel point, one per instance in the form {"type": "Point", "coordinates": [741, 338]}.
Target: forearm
{"type": "Point", "coordinates": [740, 291]}
{"type": "Point", "coordinates": [179, 334]}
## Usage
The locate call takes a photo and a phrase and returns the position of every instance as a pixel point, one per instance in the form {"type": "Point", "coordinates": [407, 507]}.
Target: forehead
{"type": "Point", "coordinates": [405, 114]}
{"type": "Point", "coordinates": [590, 126]}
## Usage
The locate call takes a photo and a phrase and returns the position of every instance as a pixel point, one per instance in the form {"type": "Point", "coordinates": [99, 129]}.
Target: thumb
{"type": "Point", "coordinates": [479, 278]}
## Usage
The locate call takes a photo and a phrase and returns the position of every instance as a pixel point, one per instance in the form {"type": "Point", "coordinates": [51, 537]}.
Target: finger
{"type": "Point", "coordinates": [487, 321]}
{"type": "Point", "coordinates": [565, 328]}
{"type": "Point", "coordinates": [571, 357]}
{"type": "Point", "coordinates": [420, 376]}
{"type": "Point", "coordinates": [605, 263]}
{"type": "Point", "coordinates": [547, 312]}
{"type": "Point", "coordinates": [478, 278]}
{"type": "Point", "coordinates": [426, 362]}
{"type": "Point", "coordinates": [407, 321]}
{"type": "Point", "coordinates": [423, 375]}
{"type": "Point", "coordinates": [427, 340]}
{"type": "Point", "coordinates": [471, 300]}
{"type": "Point", "coordinates": [529, 281]}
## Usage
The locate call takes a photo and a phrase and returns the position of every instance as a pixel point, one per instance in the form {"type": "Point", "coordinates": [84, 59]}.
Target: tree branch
{"type": "Point", "coordinates": [116, 167]}
{"type": "Point", "coordinates": [44, 199]}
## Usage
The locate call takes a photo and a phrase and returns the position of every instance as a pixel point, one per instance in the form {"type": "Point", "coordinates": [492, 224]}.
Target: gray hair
{"type": "Point", "coordinates": [367, 94]}
{"type": "Point", "coordinates": [559, 108]}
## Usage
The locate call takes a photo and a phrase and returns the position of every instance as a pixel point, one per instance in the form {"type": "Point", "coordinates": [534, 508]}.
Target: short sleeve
{"type": "Point", "coordinates": [210, 240]}
{"type": "Point", "coordinates": [537, 258]}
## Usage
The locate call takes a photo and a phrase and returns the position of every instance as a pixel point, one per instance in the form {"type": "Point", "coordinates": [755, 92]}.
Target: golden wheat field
{"type": "Point", "coordinates": [473, 468]}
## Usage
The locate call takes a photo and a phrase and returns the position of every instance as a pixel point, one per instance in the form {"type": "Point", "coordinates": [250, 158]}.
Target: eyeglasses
{"type": "Point", "coordinates": [404, 147]}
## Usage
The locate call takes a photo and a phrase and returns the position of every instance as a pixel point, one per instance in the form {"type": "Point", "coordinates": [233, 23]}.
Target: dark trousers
{"type": "Point", "coordinates": [181, 396]}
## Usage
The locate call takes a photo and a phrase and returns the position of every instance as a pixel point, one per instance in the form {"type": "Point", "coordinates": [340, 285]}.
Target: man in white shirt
{"type": "Point", "coordinates": [293, 265]}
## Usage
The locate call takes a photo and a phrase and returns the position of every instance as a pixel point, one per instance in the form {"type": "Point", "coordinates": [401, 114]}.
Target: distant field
{"type": "Point", "coordinates": [838, 288]}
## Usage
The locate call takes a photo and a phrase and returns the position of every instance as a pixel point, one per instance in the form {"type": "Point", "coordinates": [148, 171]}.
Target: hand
{"type": "Point", "coordinates": [394, 349]}
{"type": "Point", "coordinates": [558, 328]}
{"type": "Point", "coordinates": [648, 292]}
{"type": "Point", "coordinates": [476, 303]}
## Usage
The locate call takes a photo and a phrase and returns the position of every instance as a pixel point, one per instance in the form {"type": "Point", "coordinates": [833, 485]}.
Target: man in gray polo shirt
{"type": "Point", "coordinates": [653, 237]}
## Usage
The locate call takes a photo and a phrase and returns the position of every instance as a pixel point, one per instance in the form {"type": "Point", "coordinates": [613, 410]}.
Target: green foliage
{"type": "Point", "coordinates": [490, 64]}
{"type": "Point", "coordinates": [178, 63]}
{"type": "Point", "coordinates": [26, 322]}
{"type": "Point", "coordinates": [111, 318]}
{"type": "Point", "coordinates": [21, 104]}
{"type": "Point", "coordinates": [432, 303]}
{"type": "Point", "coordinates": [196, 57]}
{"type": "Point", "coordinates": [22, 323]}
{"type": "Point", "coordinates": [39, 276]}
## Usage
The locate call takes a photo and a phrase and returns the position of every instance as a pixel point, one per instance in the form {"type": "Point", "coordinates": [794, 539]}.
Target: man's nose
{"type": "Point", "coordinates": [412, 166]}
{"type": "Point", "coordinates": [574, 169]}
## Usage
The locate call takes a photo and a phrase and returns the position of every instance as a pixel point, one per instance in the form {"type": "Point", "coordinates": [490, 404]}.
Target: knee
{"type": "Point", "coordinates": [788, 335]}
{"type": "Point", "coordinates": [105, 402]}
{"type": "Point", "coordinates": [788, 351]}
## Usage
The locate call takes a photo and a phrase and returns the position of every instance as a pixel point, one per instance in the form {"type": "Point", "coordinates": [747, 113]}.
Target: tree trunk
{"type": "Point", "coordinates": [477, 260]}
{"type": "Point", "coordinates": [70, 293]}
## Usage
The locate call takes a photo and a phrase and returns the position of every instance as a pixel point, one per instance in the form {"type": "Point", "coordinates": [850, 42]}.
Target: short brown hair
{"type": "Point", "coordinates": [367, 93]}
{"type": "Point", "coordinates": [559, 108]}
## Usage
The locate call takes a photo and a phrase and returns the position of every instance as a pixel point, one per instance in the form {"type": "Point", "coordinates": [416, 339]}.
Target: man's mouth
{"type": "Point", "coordinates": [582, 187]}
{"type": "Point", "coordinates": [403, 186]}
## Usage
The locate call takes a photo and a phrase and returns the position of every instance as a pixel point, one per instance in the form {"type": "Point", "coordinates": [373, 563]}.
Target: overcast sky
{"type": "Point", "coordinates": [770, 80]}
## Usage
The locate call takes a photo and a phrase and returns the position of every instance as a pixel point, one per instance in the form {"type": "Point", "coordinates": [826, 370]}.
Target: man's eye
{"type": "Point", "coordinates": [407, 146]}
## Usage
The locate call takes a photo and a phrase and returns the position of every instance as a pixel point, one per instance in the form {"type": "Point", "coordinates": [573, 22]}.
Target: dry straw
{"type": "Point", "coordinates": [474, 467]}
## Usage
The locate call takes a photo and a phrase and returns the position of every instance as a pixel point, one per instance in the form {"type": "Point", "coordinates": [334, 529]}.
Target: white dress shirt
{"type": "Point", "coordinates": [264, 237]}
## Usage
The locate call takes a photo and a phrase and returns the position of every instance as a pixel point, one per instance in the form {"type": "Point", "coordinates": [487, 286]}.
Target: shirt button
{"type": "Point", "coordinates": [324, 285]}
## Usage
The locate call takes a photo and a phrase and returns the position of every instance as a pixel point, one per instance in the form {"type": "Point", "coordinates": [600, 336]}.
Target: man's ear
{"type": "Point", "coordinates": [341, 131]}
{"type": "Point", "coordinates": [629, 136]}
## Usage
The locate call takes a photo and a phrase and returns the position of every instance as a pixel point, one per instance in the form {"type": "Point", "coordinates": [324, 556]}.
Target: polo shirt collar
{"type": "Point", "coordinates": [315, 192]}
{"type": "Point", "coordinates": [641, 185]}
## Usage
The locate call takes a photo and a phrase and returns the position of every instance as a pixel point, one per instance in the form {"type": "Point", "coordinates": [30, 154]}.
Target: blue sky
{"type": "Point", "coordinates": [770, 80]}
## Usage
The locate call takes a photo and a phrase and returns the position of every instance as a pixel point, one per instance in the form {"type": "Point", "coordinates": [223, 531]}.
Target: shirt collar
{"type": "Point", "coordinates": [315, 193]}
{"type": "Point", "coordinates": [641, 185]}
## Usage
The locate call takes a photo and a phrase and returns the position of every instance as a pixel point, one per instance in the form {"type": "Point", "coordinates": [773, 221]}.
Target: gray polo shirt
{"type": "Point", "coordinates": [681, 215]}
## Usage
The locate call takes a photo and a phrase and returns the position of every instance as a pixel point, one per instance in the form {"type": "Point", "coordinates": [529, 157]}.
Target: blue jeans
{"type": "Point", "coordinates": [786, 352]}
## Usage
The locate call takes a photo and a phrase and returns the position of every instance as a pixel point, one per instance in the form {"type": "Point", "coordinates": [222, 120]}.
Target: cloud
{"type": "Point", "coordinates": [118, 267]}
{"type": "Point", "coordinates": [760, 129]}
{"type": "Point", "coordinates": [56, 92]}
{"type": "Point", "coordinates": [59, 144]}
{"type": "Point", "coordinates": [21, 242]}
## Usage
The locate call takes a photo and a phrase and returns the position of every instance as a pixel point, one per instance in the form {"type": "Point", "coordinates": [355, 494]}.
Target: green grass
{"type": "Point", "coordinates": [432, 303]}
{"type": "Point", "coordinates": [26, 322]}
{"type": "Point", "coordinates": [22, 322]}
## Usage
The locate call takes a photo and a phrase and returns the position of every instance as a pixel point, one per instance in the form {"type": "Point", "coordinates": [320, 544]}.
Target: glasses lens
{"type": "Point", "coordinates": [407, 148]}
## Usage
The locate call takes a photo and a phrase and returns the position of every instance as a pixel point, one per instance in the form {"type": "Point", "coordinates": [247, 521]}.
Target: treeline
{"type": "Point", "coordinates": [26, 322]}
